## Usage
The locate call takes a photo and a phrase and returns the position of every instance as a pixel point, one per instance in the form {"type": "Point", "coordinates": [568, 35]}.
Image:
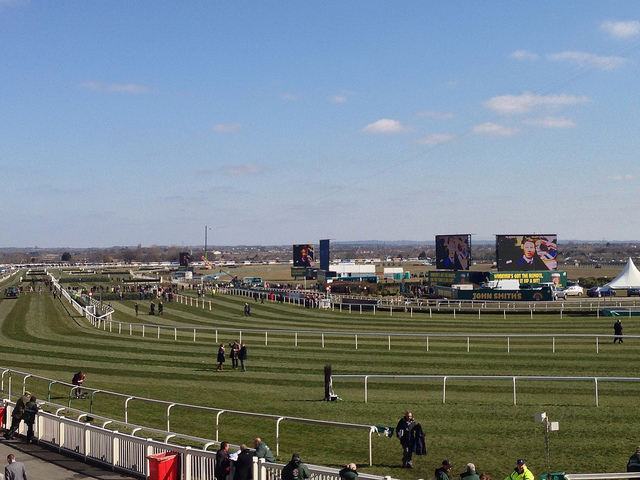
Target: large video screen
{"type": "Point", "coordinates": [527, 252]}
{"type": "Point", "coordinates": [303, 256]}
{"type": "Point", "coordinates": [452, 252]}
{"type": "Point", "coordinates": [324, 255]}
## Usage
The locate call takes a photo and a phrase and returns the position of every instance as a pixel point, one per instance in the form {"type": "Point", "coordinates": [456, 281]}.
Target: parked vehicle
{"type": "Point", "coordinates": [601, 292]}
{"type": "Point", "coordinates": [559, 292]}
{"type": "Point", "coordinates": [574, 290]}
{"type": "Point", "coordinates": [631, 292]}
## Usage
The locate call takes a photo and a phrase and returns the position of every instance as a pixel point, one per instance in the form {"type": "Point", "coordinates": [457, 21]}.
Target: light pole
{"type": "Point", "coordinates": [548, 427]}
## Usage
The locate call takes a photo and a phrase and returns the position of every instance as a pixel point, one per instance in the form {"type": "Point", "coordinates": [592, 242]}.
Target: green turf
{"type": "Point", "coordinates": [478, 423]}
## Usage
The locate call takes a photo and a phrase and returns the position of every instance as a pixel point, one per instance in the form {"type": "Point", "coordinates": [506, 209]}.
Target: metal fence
{"type": "Point", "coordinates": [511, 378]}
{"type": "Point", "coordinates": [170, 406]}
{"type": "Point", "coordinates": [128, 453]}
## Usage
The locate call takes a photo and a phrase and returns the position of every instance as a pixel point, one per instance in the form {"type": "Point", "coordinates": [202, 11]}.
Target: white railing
{"type": "Point", "coordinates": [512, 378]}
{"type": "Point", "coordinates": [128, 453]}
{"type": "Point", "coordinates": [370, 429]}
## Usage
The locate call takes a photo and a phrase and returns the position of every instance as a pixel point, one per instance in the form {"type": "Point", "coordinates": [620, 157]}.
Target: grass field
{"type": "Point", "coordinates": [478, 423]}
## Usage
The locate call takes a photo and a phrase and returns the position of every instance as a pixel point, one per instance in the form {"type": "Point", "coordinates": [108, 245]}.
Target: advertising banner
{"type": "Point", "coordinates": [527, 252]}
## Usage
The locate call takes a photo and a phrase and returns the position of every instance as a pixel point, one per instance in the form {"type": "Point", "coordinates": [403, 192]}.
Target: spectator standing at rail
{"type": "Point", "coordinates": [295, 469]}
{"type": "Point", "coordinates": [14, 470]}
{"type": "Point", "coordinates": [470, 474]}
{"type": "Point", "coordinates": [29, 417]}
{"type": "Point", "coordinates": [349, 472]}
{"type": "Point", "coordinates": [243, 464]}
{"type": "Point", "coordinates": [404, 432]}
{"type": "Point", "coordinates": [17, 414]}
{"type": "Point", "coordinates": [442, 473]}
{"type": "Point", "coordinates": [77, 380]}
{"type": "Point", "coordinates": [220, 357]}
{"type": "Point", "coordinates": [223, 463]}
{"type": "Point", "coordinates": [263, 450]}
{"type": "Point", "coordinates": [617, 330]}
{"type": "Point", "coordinates": [520, 472]}
{"type": "Point", "coordinates": [242, 356]}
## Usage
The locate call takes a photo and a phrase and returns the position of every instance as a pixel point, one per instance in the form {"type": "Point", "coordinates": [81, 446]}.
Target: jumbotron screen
{"type": "Point", "coordinates": [527, 252]}
{"type": "Point", "coordinates": [303, 255]}
{"type": "Point", "coordinates": [453, 252]}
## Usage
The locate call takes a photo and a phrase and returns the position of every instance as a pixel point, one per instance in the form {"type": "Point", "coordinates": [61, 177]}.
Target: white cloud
{"type": "Point", "coordinates": [227, 128]}
{"type": "Point", "coordinates": [494, 130]}
{"type": "Point", "coordinates": [524, 55]}
{"type": "Point", "coordinates": [550, 122]}
{"type": "Point", "coordinates": [289, 96]}
{"type": "Point", "coordinates": [438, 115]}
{"type": "Point", "coordinates": [115, 87]}
{"type": "Point", "coordinates": [621, 29]}
{"type": "Point", "coordinates": [518, 104]}
{"type": "Point", "coordinates": [622, 178]}
{"type": "Point", "coordinates": [386, 125]}
{"type": "Point", "coordinates": [587, 59]}
{"type": "Point", "coordinates": [338, 99]}
{"type": "Point", "coordinates": [436, 138]}
{"type": "Point", "coordinates": [241, 169]}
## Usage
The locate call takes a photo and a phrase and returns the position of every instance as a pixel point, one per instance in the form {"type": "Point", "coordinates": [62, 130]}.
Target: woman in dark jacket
{"type": "Point", "coordinates": [220, 357]}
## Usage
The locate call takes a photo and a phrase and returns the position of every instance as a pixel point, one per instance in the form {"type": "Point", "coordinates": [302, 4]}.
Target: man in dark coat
{"type": "Point", "coordinates": [442, 473]}
{"type": "Point", "coordinates": [470, 474]}
{"type": "Point", "coordinates": [295, 469]}
{"type": "Point", "coordinates": [242, 356]}
{"type": "Point", "coordinates": [244, 464]}
{"type": "Point", "coordinates": [349, 472]}
{"type": "Point", "coordinates": [223, 464]}
{"type": "Point", "coordinates": [17, 414]}
{"type": "Point", "coordinates": [404, 431]}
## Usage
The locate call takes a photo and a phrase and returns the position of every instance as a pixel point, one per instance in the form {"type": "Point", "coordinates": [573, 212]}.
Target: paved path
{"type": "Point", "coordinates": [42, 463]}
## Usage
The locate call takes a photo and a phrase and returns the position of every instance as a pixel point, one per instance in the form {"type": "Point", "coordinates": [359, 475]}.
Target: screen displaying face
{"type": "Point", "coordinates": [303, 255]}
{"type": "Point", "coordinates": [452, 252]}
{"type": "Point", "coordinates": [527, 252]}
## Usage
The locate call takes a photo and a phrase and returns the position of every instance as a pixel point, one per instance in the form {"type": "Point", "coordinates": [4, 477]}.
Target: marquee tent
{"type": "Point", "coordinates": [628, 278]}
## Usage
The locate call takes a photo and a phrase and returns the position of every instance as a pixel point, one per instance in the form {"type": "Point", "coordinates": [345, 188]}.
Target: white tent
{"type": "Point", "coordinates": [628, 278]}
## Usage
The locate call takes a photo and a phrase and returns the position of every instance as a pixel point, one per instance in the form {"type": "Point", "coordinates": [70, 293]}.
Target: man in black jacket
{"type": "Point", "coordinates": [404, 431]}
{"type": "Point", "coordinates": [223, 464]}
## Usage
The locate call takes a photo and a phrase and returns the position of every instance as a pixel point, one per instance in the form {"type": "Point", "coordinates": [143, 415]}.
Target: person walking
{"type": "Point", "coordinates": [404, 431]}
{"type": "Point", "coordinates": [295, 469]}
{"type": "Point", "coordinates": [136, 307]}
{"type": "Point", "coordinates": [617, 330]}
{"type": "Point", "coordinates": [242, 356]}
{"type": "Point", "coordinates": [17, 414]}
{"type": "Point", "coordinates": [520, 472]}
{"type": "Point", "coordinates": [247, 310]}
{"type": "Point", "coordinates": [14, 470]}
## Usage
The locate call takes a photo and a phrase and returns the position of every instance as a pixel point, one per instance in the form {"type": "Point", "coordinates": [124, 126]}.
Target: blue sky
{"type": "Point", "coordinates": [287, 122]}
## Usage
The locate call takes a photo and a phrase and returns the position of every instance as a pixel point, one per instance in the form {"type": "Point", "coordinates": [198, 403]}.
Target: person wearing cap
{"type": "Point", "coordinates": [404, 432]}
{"type": "Point", "coordinates": [442, 473]}
{"type": "Point", "coordinates": [349, 472]}
{"type": "Point", "coordinates": [520, 472]}
{"type": "Point", "coordinates": [17, 414]}
{"type": "Point", "coordinates": [633, 465]}
{"type": "Point", "coordinates": [470, 474]}
{"type": "Point", "coordinates": [295, 469]}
